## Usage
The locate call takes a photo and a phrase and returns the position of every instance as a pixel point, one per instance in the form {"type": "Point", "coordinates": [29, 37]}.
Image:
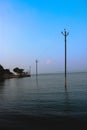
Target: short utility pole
{"type": "Point", "coordinates": [65, 34]}
{"type": "Point", "coordinates": [30, 69]}
{"type": "Point", "coordinates": [36, 68]}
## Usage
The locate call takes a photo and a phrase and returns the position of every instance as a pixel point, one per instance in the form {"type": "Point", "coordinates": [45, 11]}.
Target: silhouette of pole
{"type": "Point", "coordinates": [30, 69]}
{"type": "Point", "coordinates": [36, 68]}
{"type": "Point", "coordinates": [65, 34]}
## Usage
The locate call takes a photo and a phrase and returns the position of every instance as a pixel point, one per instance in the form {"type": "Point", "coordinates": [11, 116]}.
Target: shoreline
{"type": "Point", "coordinates": [7, 76]}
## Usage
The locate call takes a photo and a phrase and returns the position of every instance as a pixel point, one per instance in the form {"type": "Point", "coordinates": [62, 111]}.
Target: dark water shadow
{"type": "Point", "coordinates": [67, 109]}
{"type": "Point", "coordinates": [38, 88]}
{"type": "Point", "coordinates": [37, 81]}
{"type": "Point", "coordinates": [2, 86]}
{"type": "Point", "coordinates": [2, 82]}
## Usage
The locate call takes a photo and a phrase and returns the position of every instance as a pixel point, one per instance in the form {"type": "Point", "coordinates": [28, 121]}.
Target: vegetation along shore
{"type": "Point", "coordinates": [17, 73]}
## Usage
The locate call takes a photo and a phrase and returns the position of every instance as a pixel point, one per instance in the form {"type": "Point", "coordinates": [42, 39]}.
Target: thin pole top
{"type": "Point", "coordinates": [36, 61]}
{"type": "Point", "coordinates": [65, 33]}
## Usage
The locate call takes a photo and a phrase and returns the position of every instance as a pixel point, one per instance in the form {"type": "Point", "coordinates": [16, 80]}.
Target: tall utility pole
{"type": "Point", "coordinates": [65, 34]}
{"type": "Point", "coordinates": [36, 68]}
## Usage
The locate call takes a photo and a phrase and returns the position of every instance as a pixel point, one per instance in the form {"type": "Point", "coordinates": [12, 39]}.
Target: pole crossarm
{"type": "Point", "coordinates": [65, 33]}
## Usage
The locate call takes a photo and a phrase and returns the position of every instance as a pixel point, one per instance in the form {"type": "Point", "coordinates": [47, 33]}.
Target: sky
{"type": "Point", "coordinates": [31, 29]}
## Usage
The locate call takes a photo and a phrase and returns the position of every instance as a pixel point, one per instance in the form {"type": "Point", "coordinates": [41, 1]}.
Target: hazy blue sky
{"type": "Point", "coordinates": [31, 29]}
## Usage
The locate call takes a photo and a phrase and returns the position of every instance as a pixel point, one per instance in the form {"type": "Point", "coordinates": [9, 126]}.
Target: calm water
{"type": "Point", "coordinates": [45, 96]}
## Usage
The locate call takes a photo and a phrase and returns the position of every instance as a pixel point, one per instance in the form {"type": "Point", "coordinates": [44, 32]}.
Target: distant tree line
{"type": "Point", "coordinates": [17, 70]}
{"type": "Point", "coordinates": [7, 72]}
{"type": "Point", "coordinates": [4, 71]}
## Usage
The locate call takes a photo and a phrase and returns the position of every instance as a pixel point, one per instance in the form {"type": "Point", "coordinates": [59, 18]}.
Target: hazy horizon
{"type": "Point", "coordinates": [31, 29]}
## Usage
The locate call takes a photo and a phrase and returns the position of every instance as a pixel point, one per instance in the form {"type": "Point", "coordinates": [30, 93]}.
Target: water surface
{"type": "Point", "coordinates": [44, 95]}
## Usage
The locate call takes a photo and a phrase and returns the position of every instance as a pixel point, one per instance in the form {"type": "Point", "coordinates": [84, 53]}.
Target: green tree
{"type": "Point", "coordinates": [1, 70]}
{"type": "Point", "coordinates": [7, 71]}
{"type": "Point", "coordinates": [17, 70]}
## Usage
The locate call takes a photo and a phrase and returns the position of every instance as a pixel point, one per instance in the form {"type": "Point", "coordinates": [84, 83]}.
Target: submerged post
{"type": "Point", "coordinates": [36, 68]}
{"type": "Point", "coordinates": [65, 35]}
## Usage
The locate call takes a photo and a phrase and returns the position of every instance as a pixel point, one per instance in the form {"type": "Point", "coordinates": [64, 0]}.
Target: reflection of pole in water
{"type": "Point", "coordinates": [65, 35]}
{"type": "Point", "coordinates": [67, 102]}
{"type": "Point", "coordinates": [36, 81]}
